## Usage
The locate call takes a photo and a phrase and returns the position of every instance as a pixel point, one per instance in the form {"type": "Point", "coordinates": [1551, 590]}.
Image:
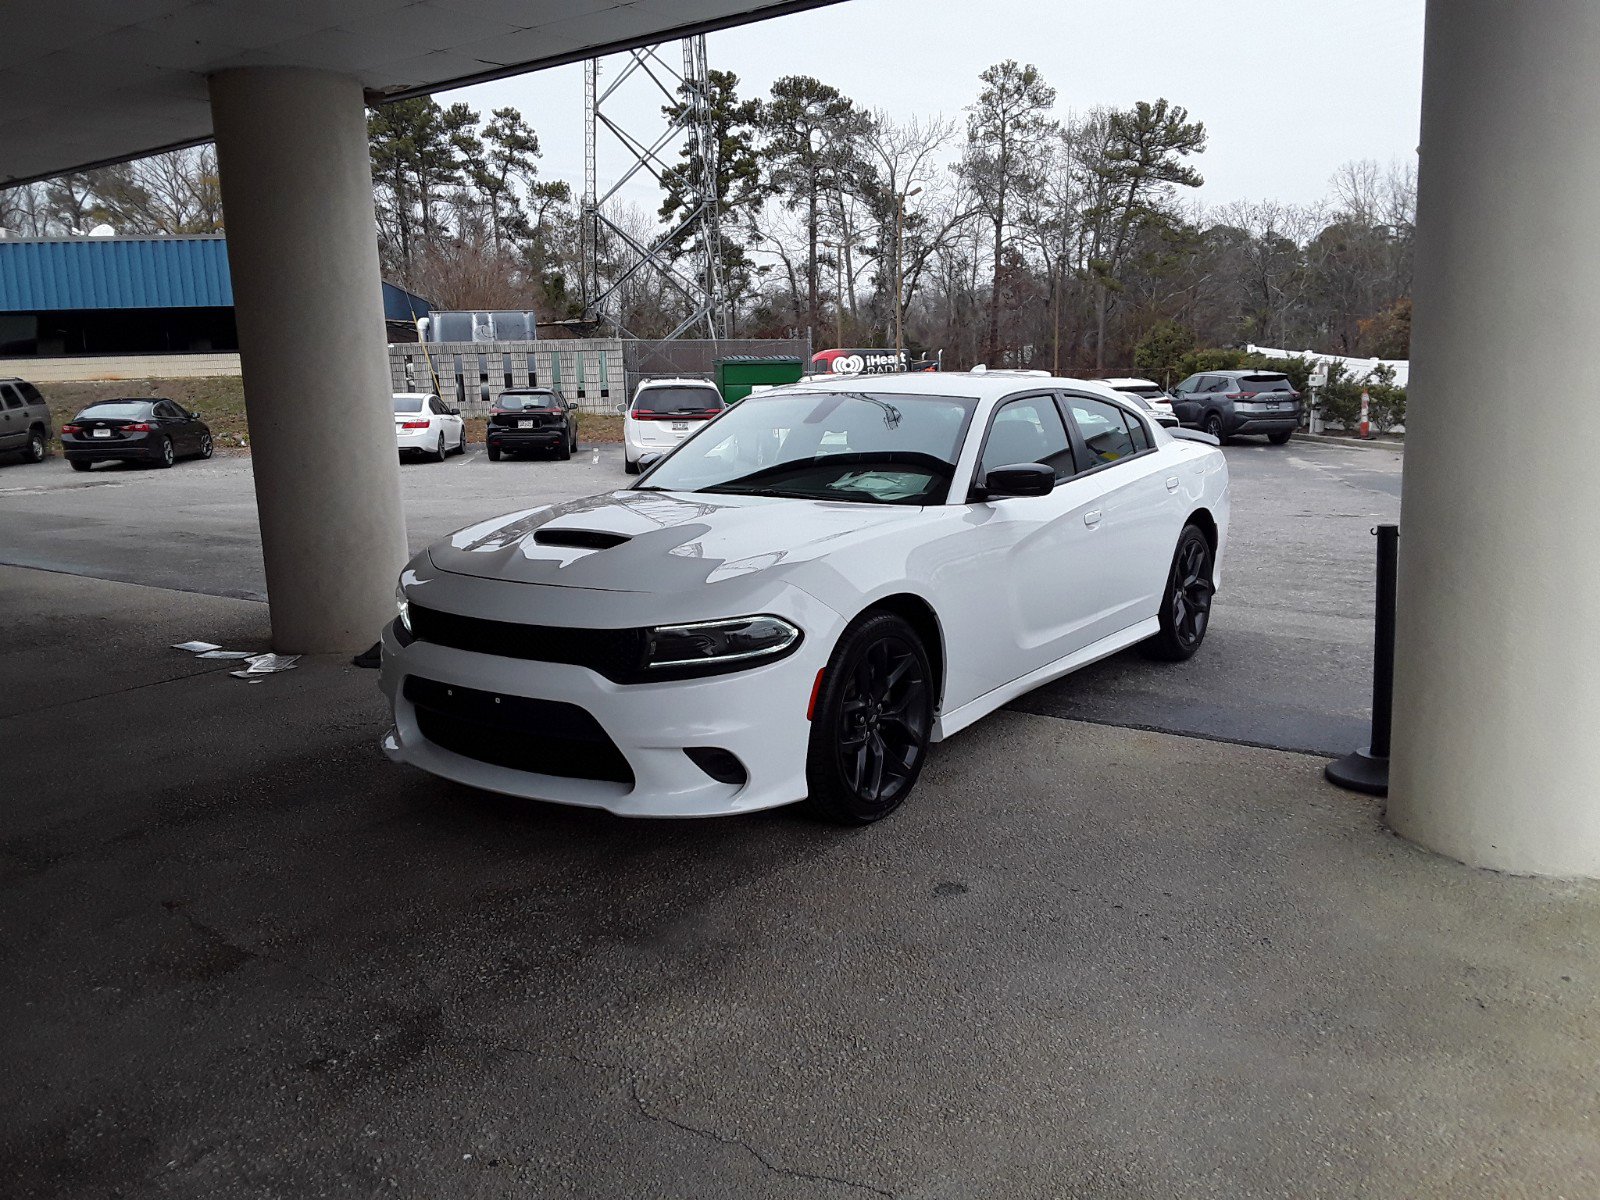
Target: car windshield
{"type": "Point", "coordinates": [875, 448]}
{"type": "Point", "coordinates": [116, 410]}
{"type": "Point", "coordinates": [522, 401]}
{"type": "Point", "coordinates": [1136, 399]}
{"type": "Point", "coordinates": [1265, 383]}
{"type": "Point", "coordinates": [1144, 393]}
{"type": "Point", "coordinates": [678, 400]}
{"type": "Point", "coordinates": [409, 404]}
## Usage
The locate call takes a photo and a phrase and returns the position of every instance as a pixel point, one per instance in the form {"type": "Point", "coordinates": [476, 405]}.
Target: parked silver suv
{"type": "Point", "coordinates": [24, 420]}
{"type": "Point", "coordinates": [1224, 403]}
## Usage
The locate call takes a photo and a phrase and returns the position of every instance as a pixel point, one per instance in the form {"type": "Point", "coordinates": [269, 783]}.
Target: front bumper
{"type": "Point", "coordinates": [757, 715]}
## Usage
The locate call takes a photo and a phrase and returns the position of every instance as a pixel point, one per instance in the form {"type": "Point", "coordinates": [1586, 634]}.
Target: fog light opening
{"type": "Point", "coordinates": [718, 763]}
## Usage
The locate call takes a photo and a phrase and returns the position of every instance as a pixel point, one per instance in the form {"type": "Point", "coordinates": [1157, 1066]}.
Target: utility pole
{"type": "Point", "coordinates": [899, 273]}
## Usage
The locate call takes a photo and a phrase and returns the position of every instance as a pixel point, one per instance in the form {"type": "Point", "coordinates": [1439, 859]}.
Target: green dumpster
{"type": "Point", "coordinates": [740, 374]}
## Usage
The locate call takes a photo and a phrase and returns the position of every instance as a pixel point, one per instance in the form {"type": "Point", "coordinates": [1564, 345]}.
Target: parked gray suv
{"type": "Point", "coordinates": [1225, 403]}
{"type": "Point", "coordinates": [24, 420]}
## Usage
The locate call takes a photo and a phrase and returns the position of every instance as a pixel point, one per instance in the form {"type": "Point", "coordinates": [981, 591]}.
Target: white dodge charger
{"type": "Point", "coordinates": [800, 598]}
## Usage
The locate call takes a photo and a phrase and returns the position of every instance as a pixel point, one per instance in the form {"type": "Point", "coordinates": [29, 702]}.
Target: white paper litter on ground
{"type": "Point", "coordinates": [266, 664]}
{"type": "Point", "coordinates": [196, 647]}
{"type": "Point", "coordinates": [228, 654]}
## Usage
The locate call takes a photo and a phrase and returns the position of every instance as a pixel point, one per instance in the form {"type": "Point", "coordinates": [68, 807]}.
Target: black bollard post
{"type": "Point", "coordinates": [1368, 770]}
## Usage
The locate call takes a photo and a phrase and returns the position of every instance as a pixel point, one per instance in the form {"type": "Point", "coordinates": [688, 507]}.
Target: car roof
{"type": "Point", "coordinates": [412, 395]}
{"type": "Point", "coordinates": [675, 381]}
{"type": "Point", "coordinates": [1246, 371]}
{"type": "Point", "coordinates": [1129, 381]}
{"type": "Point", "coordinates": [976, 385]}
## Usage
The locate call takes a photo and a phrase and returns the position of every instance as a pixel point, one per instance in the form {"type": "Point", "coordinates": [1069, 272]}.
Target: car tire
{"type": "Point", "coordinates": [631, 467]}
{"type": "Point", "coordinates": [206, 447]}
{"type": "Point", "coordinates": [493, 452]}
{"type": "Point", "coordinates": [1186, 600]}
{"type": "Point", "coordinates": [35, 450]}
{"type": "Point", "coordinates": [1214, 426]}
{"type": "Point", "coordinates": [564, 451]}
{"type": "Point", "coordinates": [165, 455]}
{"type": "Point", "coordinates": [461, 446]}
{"type": "Point", "coordinates": [439, 453]}
{"type": "Point", "coordinates": [871, 723]}
{"type": "Point", "coordinates": [80, 464]}
{"type": "Point", "coordinates": [1279, 439]}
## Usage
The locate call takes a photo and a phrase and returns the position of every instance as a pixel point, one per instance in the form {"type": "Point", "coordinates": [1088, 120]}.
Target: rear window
{"type": "Point", "coordinates": [1265, 383]}
{"type": "Point", "coordinates": [409, 404]}
{"type": "Point", "coordinates": [117, 410]}
{"type": "Point", "coordinates": [678, 400]}
{"type": "Point", "coordinates": [521, 401]}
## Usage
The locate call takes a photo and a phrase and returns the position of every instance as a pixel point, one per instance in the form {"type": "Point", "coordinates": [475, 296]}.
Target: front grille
{"type": "Point", "coordinates": [547, 737]}
{"type": "Point", "coordinates": [618, 654]}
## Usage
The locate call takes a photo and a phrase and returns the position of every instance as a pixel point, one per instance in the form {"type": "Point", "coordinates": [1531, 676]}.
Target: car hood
{"type": "Point", "coordinates": [641, 541]}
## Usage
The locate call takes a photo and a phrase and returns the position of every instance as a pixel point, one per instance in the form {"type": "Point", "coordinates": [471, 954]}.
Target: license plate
{"type": "Point", "coordinates": [102, 433]}
{"type": "Point", "coordinates": [679, 425]}
{"type": "Point", "coordinates": [524, 424]}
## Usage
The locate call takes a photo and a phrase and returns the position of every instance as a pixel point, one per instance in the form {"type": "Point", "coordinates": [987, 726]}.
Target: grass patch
{"type": "Point", "coordinates": [220, 402]}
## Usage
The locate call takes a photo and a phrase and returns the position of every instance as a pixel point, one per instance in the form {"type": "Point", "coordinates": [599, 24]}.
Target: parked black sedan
{"type": "Point", "coordinates": [524, 419]}
{"type": "Point", "coordinates": [151, 431]}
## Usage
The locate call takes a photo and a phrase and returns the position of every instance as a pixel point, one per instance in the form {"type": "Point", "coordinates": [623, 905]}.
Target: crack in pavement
{"type": "Point", "coordinates": [631, 1077]}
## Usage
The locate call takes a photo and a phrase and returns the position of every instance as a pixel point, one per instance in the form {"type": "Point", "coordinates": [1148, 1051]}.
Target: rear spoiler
{"type": "Point", "coordinates": [1194, 435]}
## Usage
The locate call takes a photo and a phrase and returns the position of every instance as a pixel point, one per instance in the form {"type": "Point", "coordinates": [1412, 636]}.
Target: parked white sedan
{"type": "Point", "coordinates": [424, 425]}
{"type": "Point", "coordinates": [662, 413]}
{"type": "Point", "coordinates": [802, 597]}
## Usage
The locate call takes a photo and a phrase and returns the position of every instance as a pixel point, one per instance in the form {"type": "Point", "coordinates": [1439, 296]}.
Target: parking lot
{"type": "Point", "coordinates": [1287, 663]}
{"type": "Point", "coordinates": [245, 955]}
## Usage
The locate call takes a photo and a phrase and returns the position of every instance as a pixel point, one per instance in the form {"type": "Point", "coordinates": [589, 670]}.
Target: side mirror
{"type": "Point", "coordinates": [455, 412]}
{"type": "Point", "coordinates": [622, 410]}
{"type": "Point", "coordinates": [194, 416]}
{"type": "Point", "coordinates": [1022, 479]}
{"type": "Point", "coordinates": [646, 461]}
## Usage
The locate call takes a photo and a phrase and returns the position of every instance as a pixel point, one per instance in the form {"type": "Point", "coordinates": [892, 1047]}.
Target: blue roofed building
{"type": "Point", "coordinates": [85, 296]}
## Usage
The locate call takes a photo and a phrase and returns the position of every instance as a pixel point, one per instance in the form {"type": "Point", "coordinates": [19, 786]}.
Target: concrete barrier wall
{"type": "Point", "coordinates": [588, 371]}
{"type": "Point", "coordinates": [131, 366]}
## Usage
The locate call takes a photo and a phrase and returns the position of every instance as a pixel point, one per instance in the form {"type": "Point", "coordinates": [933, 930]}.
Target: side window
{"type": "Point", "coordinates": [30, 394]}
{"type": "Point", "coordinates": [1104, 429]}
{"type": "Point", "coordinates": [9, 397]}
{"type": "Point", "coordinates": [1137, 431]}
{"type": "Point", "coordinates": [167, 410]}
{"type": "Point", "coordinates": [1029, 430]}
{"type": "Point", "coordinates": [1217, 383]}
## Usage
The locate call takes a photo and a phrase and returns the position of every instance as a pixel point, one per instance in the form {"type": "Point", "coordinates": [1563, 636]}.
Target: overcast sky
{"type": "Point", "coordinates": [1288, 89]}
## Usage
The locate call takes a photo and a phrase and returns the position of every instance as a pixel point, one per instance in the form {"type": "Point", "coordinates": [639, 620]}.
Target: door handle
{"type": "Point", "coordinates": [1172, 484]}
{"type": "Point", "coordinates": [1092, 518]}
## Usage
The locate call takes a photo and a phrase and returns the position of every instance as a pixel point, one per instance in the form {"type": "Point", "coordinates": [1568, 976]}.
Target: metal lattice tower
{"type": "Point", "coordinates": [688, 255]}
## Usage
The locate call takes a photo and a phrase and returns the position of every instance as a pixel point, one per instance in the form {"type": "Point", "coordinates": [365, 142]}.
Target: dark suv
{"type": "Point", "coordinates": [24, 420]}
{"type": "Point", "coordinates": [524, 419]}
{"type": "Point", "coordinates": [1225, 403]}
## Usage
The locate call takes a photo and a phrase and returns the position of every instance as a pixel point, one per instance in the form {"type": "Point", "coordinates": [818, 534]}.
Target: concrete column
{"type": "Point", "coordinates": [1497, 681]}
{"type": "Point", "coordinates": [302, 248]}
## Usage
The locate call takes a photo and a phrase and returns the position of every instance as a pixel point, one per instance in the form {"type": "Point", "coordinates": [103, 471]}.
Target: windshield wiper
{"type": "Point", "coordinates": [726, 489]}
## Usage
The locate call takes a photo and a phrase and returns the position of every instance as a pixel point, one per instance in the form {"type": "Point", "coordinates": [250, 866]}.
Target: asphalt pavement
{"type": "Point", "coordinates": [1287, 663]}
{"type": "Point", "coordinates": [243, 955]}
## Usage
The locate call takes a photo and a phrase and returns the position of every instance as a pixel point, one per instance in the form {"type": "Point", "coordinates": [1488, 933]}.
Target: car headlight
{"type": "Point", "coordinates": [738, 641]}
{"type": "Point", "coordinates": [402, 606]}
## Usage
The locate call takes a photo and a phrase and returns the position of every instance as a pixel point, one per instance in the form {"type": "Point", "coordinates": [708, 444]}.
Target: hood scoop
{"type": "Point", "coordinates": [579, 539]}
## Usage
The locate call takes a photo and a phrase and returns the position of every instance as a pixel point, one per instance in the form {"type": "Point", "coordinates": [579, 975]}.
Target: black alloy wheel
{"type": "Point", "coordinates": [35, 449]}
{"type": "Point", "coordinates": [1186, 603]}
{"type": "Point", "coordinates": [440, 453]}
{"type": "Point", "coordinates": [206, 448]}
{"type": "Point", "coordinates": [871, 724]}
{"type": "Point", "coordinates": [165, 455]}
{"type": "Point", "coordinates": [1214, 426]}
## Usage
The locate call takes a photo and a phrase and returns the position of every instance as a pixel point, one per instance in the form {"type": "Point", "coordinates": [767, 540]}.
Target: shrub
{"type": "Point", "coordinates": [1160, 352]}
{"type": "Point", "coordinates": [1209, 360]}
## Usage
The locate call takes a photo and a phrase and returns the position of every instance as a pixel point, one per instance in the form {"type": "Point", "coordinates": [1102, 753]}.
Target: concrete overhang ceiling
{"type": "Point", "coordinates": [89, 82]}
